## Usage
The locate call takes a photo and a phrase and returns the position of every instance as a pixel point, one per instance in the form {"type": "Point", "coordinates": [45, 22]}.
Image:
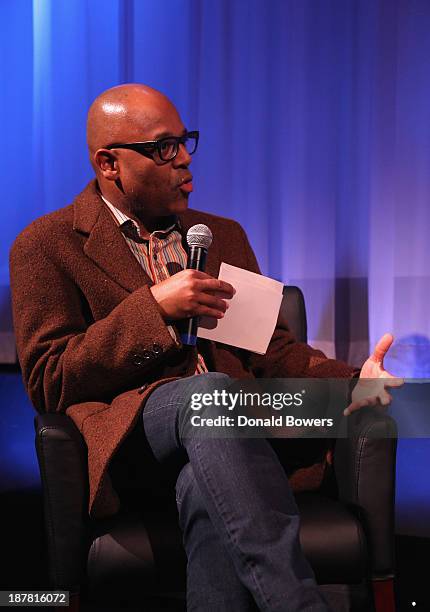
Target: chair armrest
{"type": "Point", "coordinates": [365, 465]}
{"type": "Point", "coordinates": [62, 456]}
{"type": "Point", "coordinates": [293, 311]}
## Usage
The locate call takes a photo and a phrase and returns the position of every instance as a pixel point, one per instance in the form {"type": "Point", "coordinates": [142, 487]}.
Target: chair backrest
{"type": "Point", "coordinates": [294, 311]}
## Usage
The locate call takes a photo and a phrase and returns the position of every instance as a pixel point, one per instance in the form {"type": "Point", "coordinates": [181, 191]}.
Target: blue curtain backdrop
{"type": "Point", "coordinates": [315, 135]}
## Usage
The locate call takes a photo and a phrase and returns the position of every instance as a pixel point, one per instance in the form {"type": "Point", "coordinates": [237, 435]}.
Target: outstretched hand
{"type": "Point", "coordinates": [371, 389]}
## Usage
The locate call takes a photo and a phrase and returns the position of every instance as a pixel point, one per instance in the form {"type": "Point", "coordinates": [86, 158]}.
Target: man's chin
{"type": "Point", "coordinates": [179, 206]}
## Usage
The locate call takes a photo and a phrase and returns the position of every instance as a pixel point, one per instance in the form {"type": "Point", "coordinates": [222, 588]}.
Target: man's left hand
{"type": "Point", "coordinates": [371, 389]}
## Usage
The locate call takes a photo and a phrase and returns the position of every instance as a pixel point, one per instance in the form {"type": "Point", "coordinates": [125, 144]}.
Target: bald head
{"type": "Point", "coordinates": [139, 183]}
{"type": "Point", "coordinates": [126, 113]}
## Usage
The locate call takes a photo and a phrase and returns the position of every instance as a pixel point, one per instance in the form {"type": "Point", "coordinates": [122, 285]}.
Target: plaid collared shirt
{"type": "Point", "coordinates": [161, 256]}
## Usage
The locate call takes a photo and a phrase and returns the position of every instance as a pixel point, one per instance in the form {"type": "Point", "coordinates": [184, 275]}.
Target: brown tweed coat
{"type": "Point", "coordinates": [89, 333]}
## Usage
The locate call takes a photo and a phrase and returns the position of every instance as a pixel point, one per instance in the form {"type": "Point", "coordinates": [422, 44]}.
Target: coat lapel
{"type": "Point", "coordinates": [105, 244]}
{"type": "Point", "coordinates": [108, 249]}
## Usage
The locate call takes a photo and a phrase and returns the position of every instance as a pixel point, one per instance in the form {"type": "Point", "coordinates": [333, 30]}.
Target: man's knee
{"type": "Point", "coordinates": [210, 381]}
{"type": "Point", "coordinates": [204, 390]}
{"type": "Point", "coordinates": [206, 399]}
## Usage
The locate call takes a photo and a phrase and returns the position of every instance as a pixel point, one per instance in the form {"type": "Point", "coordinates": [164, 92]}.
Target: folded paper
{"type": "Point", "coordinates": [253, 311]}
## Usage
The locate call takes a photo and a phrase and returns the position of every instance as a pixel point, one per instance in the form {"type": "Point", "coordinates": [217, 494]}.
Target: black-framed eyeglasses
{"type": "Point", "coordinates": [167, 148]}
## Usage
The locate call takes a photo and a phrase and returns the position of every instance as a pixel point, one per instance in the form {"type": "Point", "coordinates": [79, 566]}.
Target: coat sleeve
{"type": "Point", "coordinates": [64, 359]}
{"type": "Point", "coordinates": [285, 357]}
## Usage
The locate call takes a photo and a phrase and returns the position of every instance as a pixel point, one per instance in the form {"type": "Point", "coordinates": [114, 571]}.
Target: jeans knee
{"type": "Point", "coordinates": [201, 385]}
{"type": "Point", "coordinates": [207, 382]}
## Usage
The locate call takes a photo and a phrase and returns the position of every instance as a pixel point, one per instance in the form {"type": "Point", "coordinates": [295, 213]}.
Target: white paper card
{"type": "Point", "coordinates": [250, 320]}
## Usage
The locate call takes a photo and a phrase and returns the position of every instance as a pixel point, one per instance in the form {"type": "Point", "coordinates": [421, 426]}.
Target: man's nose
{"type": "Point", "coordinates": [183, 158]}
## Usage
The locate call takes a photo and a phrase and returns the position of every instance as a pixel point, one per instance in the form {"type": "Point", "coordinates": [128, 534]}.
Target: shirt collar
{"type": "Point", "coordinates": [130, 228]}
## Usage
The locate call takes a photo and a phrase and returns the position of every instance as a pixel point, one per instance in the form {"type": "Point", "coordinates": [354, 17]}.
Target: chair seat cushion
{"type": "Point", "coordinates": [133, 554]}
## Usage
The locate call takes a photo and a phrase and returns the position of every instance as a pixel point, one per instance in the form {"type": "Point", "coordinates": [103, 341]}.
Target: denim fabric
{"type": "Point", "coordinates": [236, 509]}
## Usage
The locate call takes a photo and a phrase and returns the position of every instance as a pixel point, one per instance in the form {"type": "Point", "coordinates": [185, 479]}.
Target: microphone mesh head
{"type": "Point", "coordinates": [199, 236]}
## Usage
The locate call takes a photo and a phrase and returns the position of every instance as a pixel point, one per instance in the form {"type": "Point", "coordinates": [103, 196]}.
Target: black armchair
{"type": "Point", "coordinates": [348, 536]}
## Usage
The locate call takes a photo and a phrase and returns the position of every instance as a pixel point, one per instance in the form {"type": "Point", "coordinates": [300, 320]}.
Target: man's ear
{"type": "Point", "coordinates": [107, 162]}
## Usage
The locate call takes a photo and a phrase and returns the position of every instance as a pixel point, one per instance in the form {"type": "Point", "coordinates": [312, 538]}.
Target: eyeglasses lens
{"type": "Point", "coordinates": [168, 147]}
{"type": "Point", "coordinates": [191, 144]}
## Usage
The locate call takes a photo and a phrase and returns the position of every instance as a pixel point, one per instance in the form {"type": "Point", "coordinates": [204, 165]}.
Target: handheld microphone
{"type": "Point", "coordinates": [199, 239]}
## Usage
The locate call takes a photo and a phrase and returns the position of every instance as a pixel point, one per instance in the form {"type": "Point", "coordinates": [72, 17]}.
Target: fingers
{"type": "Point", "coordinates": [206, 311]}
{"type": "Point", "coordinates": [382, 347]}
{"type": "Point", "coordinates": [382, 399]}
{"type": "Point", "coordinates": [385, 398]}
{"type": "Point", "coordinates": [212, 302]}
{"type": "Point", "coordinates": [392, 381]}
{"type": "Point", "coordinates": [369, 401]}
{"type": "Point", "coordinates": [208, 283]}
{"type": "Point", "coordinates": [214, 284]}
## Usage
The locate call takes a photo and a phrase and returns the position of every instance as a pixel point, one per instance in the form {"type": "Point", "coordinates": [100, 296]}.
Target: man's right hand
{"type": "Point", "coordinates": [191, 293]}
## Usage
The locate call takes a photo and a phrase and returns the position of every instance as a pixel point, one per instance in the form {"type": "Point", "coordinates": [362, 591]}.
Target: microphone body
{"type": "Point", "coordinates": [199, 238]}
{"type": "Point", "coordinates": [197, 259]}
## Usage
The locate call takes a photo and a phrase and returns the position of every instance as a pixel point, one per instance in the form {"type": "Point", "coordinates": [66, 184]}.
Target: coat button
{"type": "Point", "coordinates": [138, 360]}
{"type": "Point", "coordinates": [157, 348]}
{"type": "Point", "coordinates": [147, 355]}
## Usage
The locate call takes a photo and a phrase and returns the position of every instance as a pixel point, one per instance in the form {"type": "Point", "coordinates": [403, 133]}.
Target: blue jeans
{"type": "Point", "coordinates": [236, 509]}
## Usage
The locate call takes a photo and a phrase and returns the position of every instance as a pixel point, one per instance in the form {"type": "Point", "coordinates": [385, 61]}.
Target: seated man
{"type": "Point", "coordinates": [98, 288]}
